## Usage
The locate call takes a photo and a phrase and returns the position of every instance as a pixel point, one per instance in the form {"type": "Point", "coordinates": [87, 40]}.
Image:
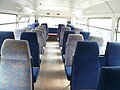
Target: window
{"type": "Point", "coordinates": [7, 22]}
{"type": "Point", "coordinates": [23, 21]}
{"type": "Point", "coordinates": [52, 22]}
{"type": "Point", "coordinates": [101, 28]}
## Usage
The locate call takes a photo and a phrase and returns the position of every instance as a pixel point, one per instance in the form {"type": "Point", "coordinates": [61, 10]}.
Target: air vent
{"type": "Point", "coordinates": [48, 13]}
{"type": "Point", "coordinates": [58, 13]}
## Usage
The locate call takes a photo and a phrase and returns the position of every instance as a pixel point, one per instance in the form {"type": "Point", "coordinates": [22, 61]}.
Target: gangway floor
{"type": "Point", "coordinates": [52, 75]}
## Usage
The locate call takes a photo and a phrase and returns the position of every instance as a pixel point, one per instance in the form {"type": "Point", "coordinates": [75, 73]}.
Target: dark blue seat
{"type": "Point", "coordinates": [5, 35]}
{"type": "Point", "coordinates": [68, 71]}
{"type": "Point", "coordinates": [31, 37]}
{"type": "Point", "coordinates": [109, 78]}
{"type": "Point", "coordinates": [85, 70]}
{"type": "Point", "coordinates": [112, 54]}
{"type": "Point", "coordinates": [85, 35]}
{"type": "Point", "coordinates": [66, 33]}
{"type": "Point", "coordinates": [59, 30]}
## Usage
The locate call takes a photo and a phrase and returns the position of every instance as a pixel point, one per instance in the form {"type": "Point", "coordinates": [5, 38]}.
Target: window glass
{"type": "Point", "coordinates": [52, 22]}
{"type": "Point", "coordinates": [7, 18]}
{"type": "Point", "coordinates": [101, 28]}
{"type": "Point", "coordinates": [8, 21]}
{"type": "Point", "coordinates": [103, 23]}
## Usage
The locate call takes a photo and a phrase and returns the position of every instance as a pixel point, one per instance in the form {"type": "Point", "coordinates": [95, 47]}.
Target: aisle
{"type": "Point", "coordinates": [52, 75]}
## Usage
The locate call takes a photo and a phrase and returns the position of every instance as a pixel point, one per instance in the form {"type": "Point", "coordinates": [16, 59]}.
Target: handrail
{"type": "Point", "coordinates": [97, 27]}
{"type": "Point", "coordinates": [116, 29]}
{"type": "Point", "coordinates": [13, 23]}
{"type": "Point", "coordinates": [8, 23]}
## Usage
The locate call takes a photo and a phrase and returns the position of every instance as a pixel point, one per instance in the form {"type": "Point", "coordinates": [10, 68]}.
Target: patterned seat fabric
{"type": "Point", "coordinates": [42, 28]}
{"type": "Point", "coordinates": [65, 37]}
{"type": "Point", "coordinates": [99, 40]}
{"type": "Point", "coordinates": [71, 46]}
{"type": "Point", "coordinates": [77, 30]}
{"type": "Point", "coordinates": [47, 30]}
{"type": "Point", "coordinates": [15, 66]}
{"type": "Point", "coordinates": [59, 30]}
{"type": "Point", "coordinates": [69, 52]}
{"type": "Point", "coordinates": [40, 39]}
{"type": "Point", "coordinates": [62, 33]}
{"type": "Point", "coordinates": [17, 33]}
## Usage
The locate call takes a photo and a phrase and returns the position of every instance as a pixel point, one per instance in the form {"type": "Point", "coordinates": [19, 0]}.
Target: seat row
{"type": "Point", "coordinates": [89, 71]}
{"type": "Point", "coordinates": [35, 41]}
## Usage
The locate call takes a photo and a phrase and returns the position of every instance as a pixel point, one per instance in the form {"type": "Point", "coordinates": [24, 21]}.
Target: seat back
{"type": "Point", "coordinates": [99, 40]}
{"type": "Point", "coordinates": [15, 66]}
{"type": "Point", "coordinates": [40, 39]}
{"type": "Point", "coordinates": [109, 78]}
{"type": "Point", "coordinates": [46, 28]}
{"type": "Point", "coordinates": [59, 30]}
{"type": "Point", "coordinates": [112, 54]}
{"type": "Point", "coordinates": [85, 70]}
{"type": "Point", "coordinates": [77, 30]}
{"type": "Point", "coordinates": [5, 35]}
{"type": "Point", "coordinates": [62, 33]}
{"type": "Point", "coordinates": [85, 35]}
{"type": "Point", "coordinates": [65, 37]}
{"type": "Point", "coordinates": [71, 46]}
{"type": "Point", "coordinates": [18, 32]}
{"type": "Point", "coordinates": [42, 28]}
{"type": "Point", "coordinates": [31, 37]}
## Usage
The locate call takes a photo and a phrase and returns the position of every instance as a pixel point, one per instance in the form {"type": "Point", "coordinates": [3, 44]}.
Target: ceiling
{"type": "Point", "coordinates": [61, 8]}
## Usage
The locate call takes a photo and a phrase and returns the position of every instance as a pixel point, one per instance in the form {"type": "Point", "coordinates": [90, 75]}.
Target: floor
{"type": "Point", "coordinates": [52, 75]}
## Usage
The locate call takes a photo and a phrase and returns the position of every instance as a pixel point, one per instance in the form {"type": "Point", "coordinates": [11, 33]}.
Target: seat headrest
{"type": "Point", "coordinates": [113, 49]}
{"type": "Point", "coordinates": [99, 40]}
{"type": "Point", "coordinates": [87, 49]}
{"type": "Point", "coordinates": [15, 50]}
{"type": "Point", "coordinates": [72, 38]}
{"type": "Point", "coordinates": [31, 37]}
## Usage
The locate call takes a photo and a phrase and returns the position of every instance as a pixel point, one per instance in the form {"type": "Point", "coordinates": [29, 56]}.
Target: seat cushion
{"type": "Point", "coordinates": [35, 73]}
{"type": "Point", "coordinates": [68, 71]}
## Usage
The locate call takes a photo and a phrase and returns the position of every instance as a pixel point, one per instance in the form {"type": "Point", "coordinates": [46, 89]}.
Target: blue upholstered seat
{"type": "Point", "coordinates": [109, 78]}
{"type": "Point", "coordinates": [31, 37]}
{"type": "Point", "coordinates": [66, 33]}
{"type": "Point", "coordinates": [15, 66]}
{"type": "Point", "coordinates": [85, 35]}
{"type": "Point", "coordinates": [35, 73]}
{"type": "Point", "coordinates": [5, 35]}
{"type": "Point", "coordinates": [85, 70]}
{"type": "Point", "coordinates": [68, 70]}
{"type": "Point", "coordinates": [112, 54]}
